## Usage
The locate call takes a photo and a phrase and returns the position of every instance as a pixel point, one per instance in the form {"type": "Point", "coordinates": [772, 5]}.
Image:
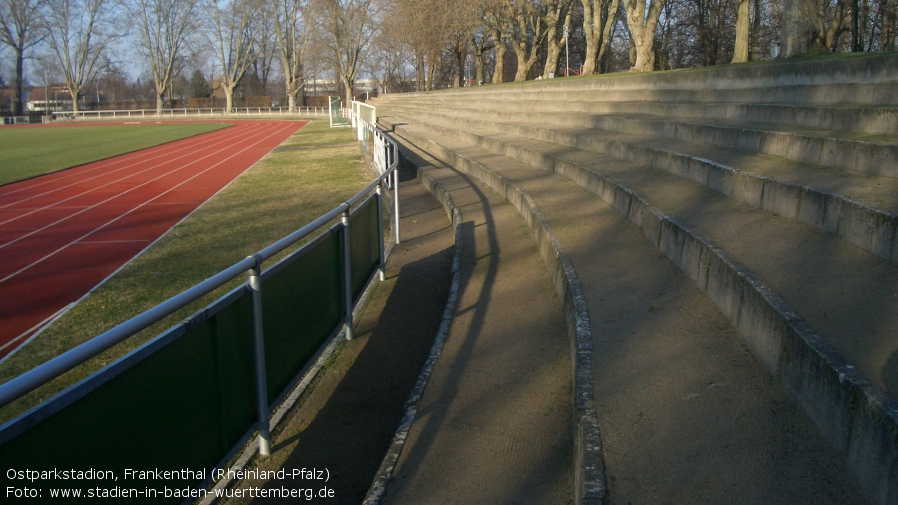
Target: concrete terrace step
{"type": "Point", "coordinates": [738, 228]}
{"type": "Point", "coordinates": [687, 415]}
{"type": "Point", "coordinates": [857, 94]}
{"type": "Point", "coordinates": [861, 209]}
{"type": "Point", "coordinates": [732, 174]}
{"type": "Point", "coordinates": [494, 422]}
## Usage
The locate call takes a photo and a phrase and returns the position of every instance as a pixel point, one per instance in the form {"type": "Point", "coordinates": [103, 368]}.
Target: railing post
{"type": "Point", "coordinates": [255, 286]}
{"type": "Point", "coordinates": [394, 160]}
{"type": "Point", "coordinates": [347, 276]}
{"type": "Point", "coordinates": [378, 191]}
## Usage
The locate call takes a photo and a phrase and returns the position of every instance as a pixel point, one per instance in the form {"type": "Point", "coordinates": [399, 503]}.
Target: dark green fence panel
{"type": "Point", "coordinates": [183, 406]}
{"type": "Point", "coordinates": [186, 399]}
{"type": "Point", "coordinates": [365, 242]}
{"type": "Point", "coordinates": [301, 306]}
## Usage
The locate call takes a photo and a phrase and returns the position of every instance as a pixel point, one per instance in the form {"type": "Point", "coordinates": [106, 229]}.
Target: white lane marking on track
{"type": "Point", "coordinates": [132, 162]}
{"type": "Point", "coordinates": [104, 165]}
{"type": "Point", "coordinates": [21, 270]}
{"type": "Point", "coordinates": [85, 209]}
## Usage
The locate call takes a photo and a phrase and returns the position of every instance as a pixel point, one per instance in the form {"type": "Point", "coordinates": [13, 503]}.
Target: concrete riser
{"type": "Point", "coordinates": [859, 119]}
{"type": "Point", "coordinates": [832, 81]}
{"type": "Point", "coordinates": [858, 223]}
{"type": "Point", "coordinates": [861, 157]}
{"type": "Point", "coordinates": [854, 416]}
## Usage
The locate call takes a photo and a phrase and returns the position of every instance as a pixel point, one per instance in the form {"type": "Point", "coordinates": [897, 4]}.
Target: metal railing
{"type": "Point", "coordinates": [187, 112]}
{"type": "Point", "coordinates": [251, 267]}
{"type": "Point", "coordinates": [380, 148]}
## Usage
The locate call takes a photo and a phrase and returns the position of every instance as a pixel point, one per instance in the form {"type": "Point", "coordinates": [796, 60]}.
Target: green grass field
{"type": "Point", "coordinates": [31, 151]}
{"type": "Point", "coordinates": [280, 194]}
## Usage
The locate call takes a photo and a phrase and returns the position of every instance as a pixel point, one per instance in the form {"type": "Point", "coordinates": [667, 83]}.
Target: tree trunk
{"type": "Point", "coordinates": [229, 98]}
{"type": "Point", "coordinates": [420, 71]}
{"type": "Point", "coordinates": [499, 71]}
{"type": "Point", "coordinates": [347, 85]}
{"type": "Point", "coordinates": [460, 54]}
{"type": "Point", "coordinates": [609, 18]}
{"type": "Point", "coordinates": [645, 54]}
{"type": "Point", "coordinates": [800, 28]}
{"type": "Point", "coordinates": [523, 68]}
{"type": "Point", "coordinates": [755, 32]}
{"type": "Point", "coordinates": [553, 52]}
{"type": "Point", "coordinates": [555, 42]}
{"type": "Point", "coordinates": [19, 90]}
{"type": "Point", "coordinates": [740, 52]}
{"type": "Point", "coordinates": [75, 98]}
{"type": "Point", "coordinates": [889, 27]}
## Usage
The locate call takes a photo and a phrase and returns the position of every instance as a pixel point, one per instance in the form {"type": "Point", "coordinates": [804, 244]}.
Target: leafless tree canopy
{"type": "Point", "coordinates": [164, 28]}
{"type": "Point", "coordinates": [78, 34]}
{"type": "Point", "coordinates": [20, 28]}
{"type": "Point", "coordinates": [288, 49]}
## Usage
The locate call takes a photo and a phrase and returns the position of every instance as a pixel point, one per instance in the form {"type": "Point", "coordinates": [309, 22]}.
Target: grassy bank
{"type": "Point", "coordinates": [287, 189]}
{"type": "Point", "coordinates": [32, 151]}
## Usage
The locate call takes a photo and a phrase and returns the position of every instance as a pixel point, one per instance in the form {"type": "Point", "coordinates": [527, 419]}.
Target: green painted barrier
{"type": "Point", "coordinates": [155, 424]}
{"type": "Point", "coordinates": [301, 306]}
{"type": "Point", "coordinates": [365, 245]}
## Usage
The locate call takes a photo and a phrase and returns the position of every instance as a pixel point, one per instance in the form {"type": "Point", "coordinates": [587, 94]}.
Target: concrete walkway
{"type": "Point", "coordinates": [494, 422]}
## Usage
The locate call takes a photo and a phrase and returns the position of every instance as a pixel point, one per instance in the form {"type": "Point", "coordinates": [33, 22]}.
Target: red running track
{"type": "Point", "coordinates": [62, 234]}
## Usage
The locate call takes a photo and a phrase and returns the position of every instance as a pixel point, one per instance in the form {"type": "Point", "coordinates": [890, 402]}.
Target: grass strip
{"type": "Point", "coordinates": [32, 151]}
{"type": "Point", "coordinates": [281, 193]}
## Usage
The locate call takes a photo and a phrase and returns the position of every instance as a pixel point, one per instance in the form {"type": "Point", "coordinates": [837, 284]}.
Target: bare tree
{"type": "Point", "coordinates": [292, 29]}
{"type": "Point", "coordinates": [527, 31]}
{"type": "Point", "coordinates": [497, 27]}
{"type": "Point", "coordinates": [230, 36]}
{"type": "Point", "coordinates": [642, 18]}
{"type": "Point", "coordinates": [165, 27]}
{"type": "Point", "coordinates": [424, 41]}
{"type": "Point", "coordinates": [481, 43]}
{"type": "Point", "coordinates": [460, 20]}
{"type": "Point", "coordinates": [348, 26]}
{"type": "Point", "coordinates": [20, 29]}
{"type": "Point", "coordinates": [888, 23]}
{"type": "Point", "coordinates": [393, 57]}
{"type": "Point", "coordinates": [264, 50]}
{"type": "Point", "coordinates": [833, 22]}
{"type": "Point", "coordinates": [78, 33]}
{"type": "Point", "coordinates": [598, 19]}
{"type": "Point", "coordinates": [711, 22]}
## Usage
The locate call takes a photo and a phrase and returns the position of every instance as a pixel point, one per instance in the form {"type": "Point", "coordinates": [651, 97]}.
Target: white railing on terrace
{"type": "Point", "coordinates": [205, 112]}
